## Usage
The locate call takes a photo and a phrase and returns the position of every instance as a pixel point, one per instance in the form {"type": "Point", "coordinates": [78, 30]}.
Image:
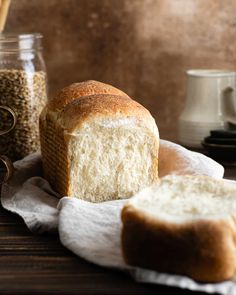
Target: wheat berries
{"type": "Point", "coordinates": [26, 94]}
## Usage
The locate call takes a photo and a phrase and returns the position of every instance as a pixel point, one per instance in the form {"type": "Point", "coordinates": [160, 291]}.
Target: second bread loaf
{"type": "Point", "coordinates": [183, 225]}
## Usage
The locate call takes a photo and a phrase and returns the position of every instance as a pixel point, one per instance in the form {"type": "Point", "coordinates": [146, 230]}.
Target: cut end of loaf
{"type": "Point", "coordinates": [186, 197]}
{"type": "Point", "coordinates": [112, 158]}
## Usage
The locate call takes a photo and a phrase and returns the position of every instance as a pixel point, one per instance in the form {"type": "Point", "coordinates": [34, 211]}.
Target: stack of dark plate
{"type": "Point", "coordinates": [221, 145]}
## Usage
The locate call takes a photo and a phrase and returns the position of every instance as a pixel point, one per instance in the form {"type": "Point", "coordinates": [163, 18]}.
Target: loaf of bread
{"type": "Point", "coordinates": [97, 143]}
{"type": "Point", "coordinates": [184, 225]}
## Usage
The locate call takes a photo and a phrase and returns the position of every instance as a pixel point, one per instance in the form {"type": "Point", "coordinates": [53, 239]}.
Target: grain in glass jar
{"type": "Point", "coordinates": [23, 89]}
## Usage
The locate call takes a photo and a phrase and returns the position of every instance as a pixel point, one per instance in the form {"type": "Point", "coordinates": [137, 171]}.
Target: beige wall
{"type": "Point", "coordinates": [141, 46]}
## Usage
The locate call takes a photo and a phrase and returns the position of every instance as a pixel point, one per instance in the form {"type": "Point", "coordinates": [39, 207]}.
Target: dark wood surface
{"type": "Point", "coordinates": [34, 264]}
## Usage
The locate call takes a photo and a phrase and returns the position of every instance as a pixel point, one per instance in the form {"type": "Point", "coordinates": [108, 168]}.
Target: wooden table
{"type": "Point", "coordinates": [33, 264]}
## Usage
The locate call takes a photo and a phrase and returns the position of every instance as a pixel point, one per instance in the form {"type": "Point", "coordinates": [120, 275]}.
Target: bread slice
{"type": "Point", "coordinates": [184, 225]}
{"type": "Point", "coordinates": [99, 147]}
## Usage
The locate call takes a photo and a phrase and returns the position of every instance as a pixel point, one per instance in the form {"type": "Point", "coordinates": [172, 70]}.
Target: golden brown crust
{"type": "Point", "coordinates": [101, 105]}
{"type": "Point", "coordinates": [81, 89]}
{"type": "Point", "coordinates": [54, 157]}
{"type": "Point", "coordinates": [202, 249]}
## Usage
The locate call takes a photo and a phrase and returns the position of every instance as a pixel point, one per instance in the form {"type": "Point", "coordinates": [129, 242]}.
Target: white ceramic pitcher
{"type": "Point", "coordinates": [209, 105]}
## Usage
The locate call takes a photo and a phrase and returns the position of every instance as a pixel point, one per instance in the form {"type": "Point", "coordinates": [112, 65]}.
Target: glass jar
{"type": "Point", "coordinates": [23, 90]}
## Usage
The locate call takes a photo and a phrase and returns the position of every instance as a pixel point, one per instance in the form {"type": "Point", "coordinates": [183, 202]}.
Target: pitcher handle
{"type": "Point", "coordinates": [9, 167]}
{"type": "Point", "coordinates": [13, 114]}
{"type": "Point", "coordinates": [229, 105]}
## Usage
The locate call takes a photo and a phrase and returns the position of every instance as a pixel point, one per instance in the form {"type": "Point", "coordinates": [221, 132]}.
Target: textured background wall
{"type": "Point", "coordinates": [141, 46]}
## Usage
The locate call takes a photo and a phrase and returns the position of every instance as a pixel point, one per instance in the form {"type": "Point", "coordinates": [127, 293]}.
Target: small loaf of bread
{"type": "Point", "coordinates": [97, 143]}
{"type": "Point", "coordinates": [184, 225]}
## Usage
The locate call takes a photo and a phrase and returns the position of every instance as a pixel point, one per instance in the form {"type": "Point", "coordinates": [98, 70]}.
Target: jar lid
{"type": "Point", "coordinates": [20, 42]}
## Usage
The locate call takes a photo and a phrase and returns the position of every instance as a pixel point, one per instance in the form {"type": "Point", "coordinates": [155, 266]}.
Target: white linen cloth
{"type": "Point", "coordinates": [92, 230]}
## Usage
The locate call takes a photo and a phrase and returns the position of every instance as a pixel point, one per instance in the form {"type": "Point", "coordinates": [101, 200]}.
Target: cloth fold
{"type": "Point", "coordinates": [93, 230]}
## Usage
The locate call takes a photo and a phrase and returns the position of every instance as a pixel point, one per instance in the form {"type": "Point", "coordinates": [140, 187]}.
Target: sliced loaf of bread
{"type": "Point", "coordinates": [97, 143]}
